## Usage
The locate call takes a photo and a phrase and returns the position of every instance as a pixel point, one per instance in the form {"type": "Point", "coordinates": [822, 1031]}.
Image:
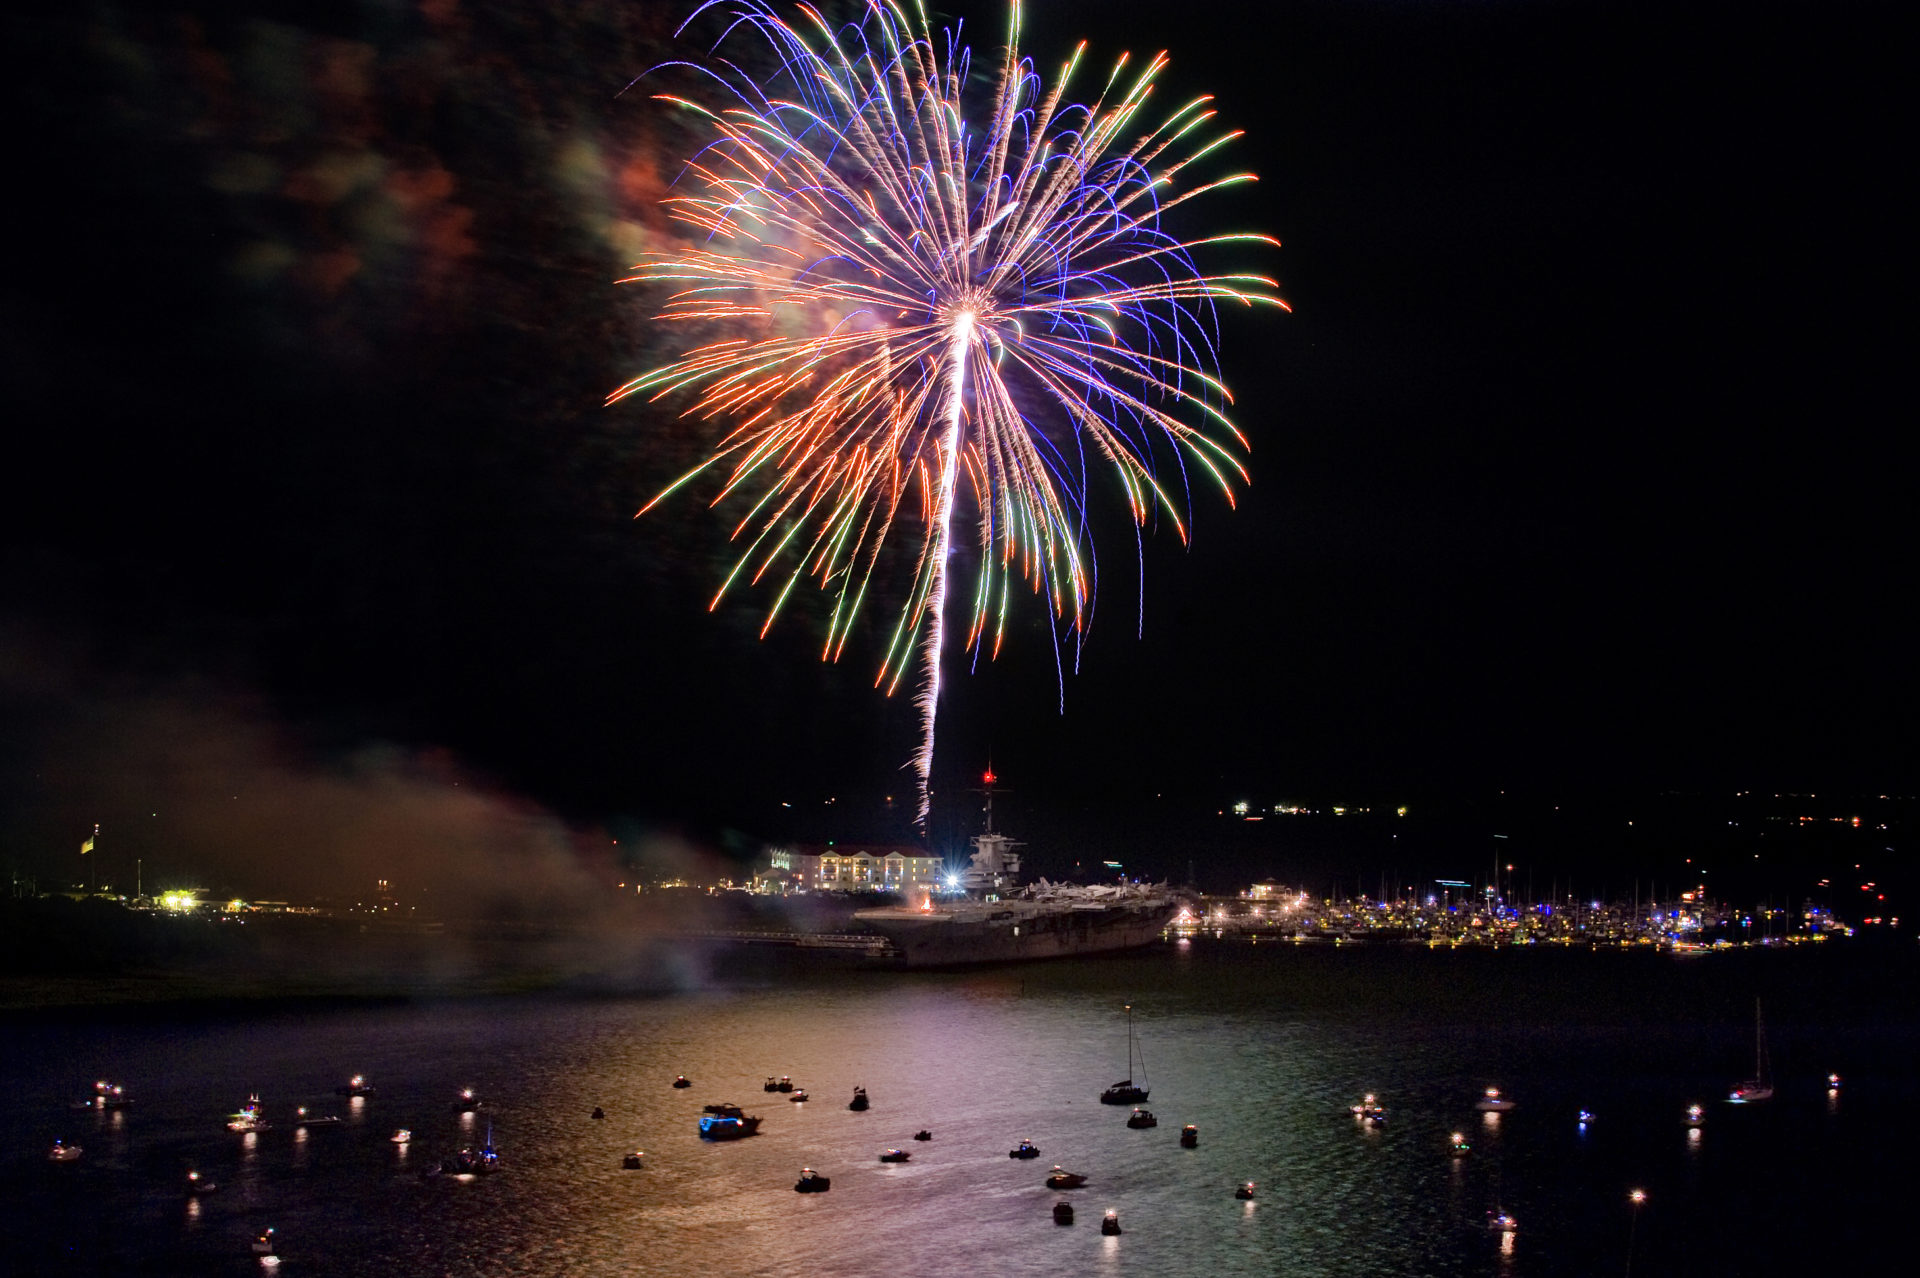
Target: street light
{"type": "Point", "coordinates": [1637, 1197]}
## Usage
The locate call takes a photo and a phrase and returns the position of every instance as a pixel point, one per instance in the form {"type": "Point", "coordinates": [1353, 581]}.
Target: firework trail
{"type": "Point", "coordinates": [906, 299]}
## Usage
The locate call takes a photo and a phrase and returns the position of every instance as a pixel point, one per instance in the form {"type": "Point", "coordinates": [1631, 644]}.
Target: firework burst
{"type": "Point", "coordinates": [925, 289]}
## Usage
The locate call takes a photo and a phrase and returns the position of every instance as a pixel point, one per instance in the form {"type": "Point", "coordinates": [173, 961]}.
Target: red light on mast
{"type": "Point", "coordinates": [988, 779]}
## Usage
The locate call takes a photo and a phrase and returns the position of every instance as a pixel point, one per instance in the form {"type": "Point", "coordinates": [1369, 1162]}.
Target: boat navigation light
{"type": "Point", "coordinates": [1637, 1197]}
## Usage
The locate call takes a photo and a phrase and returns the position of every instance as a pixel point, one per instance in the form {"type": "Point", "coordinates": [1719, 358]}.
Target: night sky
{"type": "Point", "coordinates": [1580, 467]}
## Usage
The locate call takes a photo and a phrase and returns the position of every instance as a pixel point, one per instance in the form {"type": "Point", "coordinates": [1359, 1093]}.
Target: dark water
{"type": "Point", "coordinates": [1261, 1046]}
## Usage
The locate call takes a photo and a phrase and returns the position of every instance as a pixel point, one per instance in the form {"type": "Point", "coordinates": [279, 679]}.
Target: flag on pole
{"type": "Point", "coordinates": [87, 846]}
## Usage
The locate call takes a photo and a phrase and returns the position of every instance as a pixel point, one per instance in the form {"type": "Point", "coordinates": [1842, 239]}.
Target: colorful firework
{"type": "Point", "coordinates": [909, 299]}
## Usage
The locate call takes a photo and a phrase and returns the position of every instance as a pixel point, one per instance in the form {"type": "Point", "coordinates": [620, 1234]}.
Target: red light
{"type": "Point", "coordinates": [989, 777]}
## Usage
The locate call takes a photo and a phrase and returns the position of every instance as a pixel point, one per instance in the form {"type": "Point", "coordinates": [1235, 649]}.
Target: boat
{"type": "Point", "coordinates": [1833, 1082]}
{"type": "Point", "coordinates": [1025, 1149]}
{"type": "Point", "coordinates": [1125, 1092]}
{"type": "Point", "coordinates": [355, 1086]}
{"type": "Point", "coordinates": [812, 1182]}
{"type": "Point", "coordinates": [1460, 1147]}
{"type": "Point", "coordinates": [1063, 1213]}
{"type": "Point", "coordinates": [681, 1080]}
{"type": "Point", "coordinates": [859, 1101]}
{"type": "Point", "coordinates": [997, 919]}
{"type": "Point", "coordinates": [473, 1162]}
{"type": "Point", "coordinates": [199, 1186]}
{"type": "Point", "coordinates": [467, 1101]}
{"type": "Point", "coordinates": [633, 1161]}
{"type": "Point", "coordinates": [1189, 1137]}
{"type": "Point", "coordinates": [401, 1136]}
{"type": "Point", "coordinates": [1110, 1223]}
{"type": "Point", "coordinates": [1493, 1102]}
{"type": "Point", "coordinates": [1245, 1192]}
{"type": "Point", "coordinates": [105, 1096]}
{"type": "Point", "coordinates": [248, 1118]}
{"type": "Point", "coordinates": [799, 1094]}
{"type": "Point", "coordinates": [771, 1085]}
{"type": "Point", "coordinates": [1061, 1178]}
{"type": "Point", "coordinates": [1141, 1119]}
{"type": "Point", "coordinates": [784, 1085]}
{"type": "Point", "coordinates": [895, 1156]}
{"type": "Point", "coordinates": [1760, 1086]}
{"type": "Point", "coordinates": [303, 1119]}
{"type": "Point", "coordinates": [598, 1112]}
{"type": "Point", "coordinates": [1500, 1222]}
{"type": "Point", "coordinates": [63, 1152]}
{"type": "Point", "coordinates": [263, 1242]}
{"type": "Point", "coordinates": [923, 1134]}
{"type": "Point", "coordinates": [727, 1122]}
{"type": "Point", "coordinates": [1586, 1116]}
{"type": "Point", "coordinates": [1369, 1107]}
{"type": "Point", "coordinates": [1696, 1115]}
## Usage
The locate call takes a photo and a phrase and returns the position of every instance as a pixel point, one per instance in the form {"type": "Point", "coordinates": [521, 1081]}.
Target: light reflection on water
{"type": "Point", "coordinates": [1236, 1042]}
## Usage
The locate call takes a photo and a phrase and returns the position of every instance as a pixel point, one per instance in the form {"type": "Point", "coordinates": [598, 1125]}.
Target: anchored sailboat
{"type": "Point", "coordinates": [1124, 1092]}
{"type": "Point", "coordinates": [1760, 1086]}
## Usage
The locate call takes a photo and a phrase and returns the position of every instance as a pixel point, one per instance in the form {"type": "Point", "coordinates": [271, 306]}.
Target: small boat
{"type": "Point", "coordinates": [1110, 1223]}
{"type": "Point", "coordinates": [1061, 1178]}
{"type": "Point", "coordinates": [401, 1136]}
{"type": "Point", "coordinates": [63, 1152]}
{"type": "Point", "coordinates": [472, 1162]}
{"type": "Point", "coordinates": [727, 1122]}
{"type": "Point", "coordinates": [467, 1101]}
{"type": "Point", "coordinates": [799, 1094]}
{"type": "Point", "coordinates": [1189, 1137]}
{"type": "Point", "coordinates": [633, 1161]}
{"type": "Point", "coordinates": [1493, 1102]}
{"type": "Point", "coordinates": [771, 1085]}
{"type": "Point", "coordinates": [681, 1080]}
{"type": "Point", "coordinates": [859, 1101]}
{"type": "Point", "coordinates": [1500, 1222]}
{"type": "Point", "coordinates": [1760, 1086]}
{"type": "Point", "coordinates": [198, 1185]}
{"type": "Point", "coordinates": [105, 1096]}
{"type": "Point", "coordinates": [1026, 1149]}
{"type": "Point", "coordinates": [598, 1112]}
{"type": "Point", "coordinates": [263, 1242]}
{"type": "Point", "coordinates": [1063, 1213]}
{"type": "Point", "coordinates": [303, 1119]}
{"type": "Point", "coordinates": [1142, 1118]}
{"type": "Point", "coordinates": [1367, 1108]}
{"type": "Point", "coordinates": [1833, 1082]}
{"type": "Point", "coordinates": [923, 1134]}
{"type": "Point", "coordinates": [355, 1086]}
{"type": "Point", "coordinates": [895, 1156]}
{"type": "Point", "coordinates": [1245, 1192]}
{"type": "Point", "coordinates": [785, 1084]}
{"type": "Point", "coordinates": [248, 1119]}
{"type": "Point", "coordinates": [1696, 1115]}
{"type": "Point", "coordinates": [1460, 1147]}
{"type": "Point", "coordinates": [812, 1182]}
{"type": "Point", "coordinates": [1125, 1092]}
{"type": "Point", "coordinates": [1586, 1116]}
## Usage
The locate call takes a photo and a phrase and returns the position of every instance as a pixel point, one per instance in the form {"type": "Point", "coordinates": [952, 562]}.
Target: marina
{"type": "Point", "coordinates": [1267, 1050]}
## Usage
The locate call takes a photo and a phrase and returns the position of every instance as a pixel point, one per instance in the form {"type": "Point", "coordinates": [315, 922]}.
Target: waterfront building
{"type": "Point", "coordinates": [846, 868]}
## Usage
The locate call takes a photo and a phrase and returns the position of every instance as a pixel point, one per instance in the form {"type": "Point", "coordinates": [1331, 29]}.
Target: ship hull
{"type": "Point", "coordinates": [1017, 933]}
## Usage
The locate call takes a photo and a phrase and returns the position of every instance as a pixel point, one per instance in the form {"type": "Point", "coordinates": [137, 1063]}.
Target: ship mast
{"type": "Point", "coordinates": [994, 865]}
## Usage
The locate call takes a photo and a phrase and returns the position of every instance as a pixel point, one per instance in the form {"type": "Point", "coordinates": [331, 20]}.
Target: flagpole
{"type": "Point", "coordinates": [93, 870]}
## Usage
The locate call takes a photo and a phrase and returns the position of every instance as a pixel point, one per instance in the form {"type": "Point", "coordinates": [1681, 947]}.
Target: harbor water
{"type": "Point", "coordinates": [1262, 1046]}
